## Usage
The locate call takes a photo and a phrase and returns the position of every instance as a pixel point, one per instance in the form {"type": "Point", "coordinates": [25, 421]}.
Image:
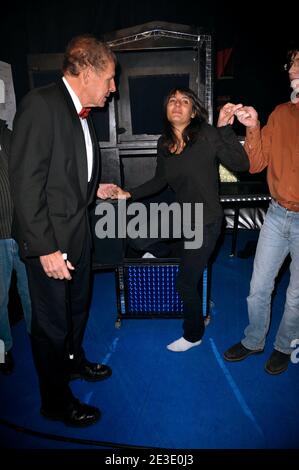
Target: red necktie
{"type": "Point", "coordinates": [84, 113]}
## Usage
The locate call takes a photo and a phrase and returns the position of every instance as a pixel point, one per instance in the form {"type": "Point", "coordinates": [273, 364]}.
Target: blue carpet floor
{"type": "Point", "coordinates": [156, 398]}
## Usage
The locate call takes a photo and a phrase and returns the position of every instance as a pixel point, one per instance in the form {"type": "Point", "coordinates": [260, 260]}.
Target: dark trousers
{"type": "Point", "coordinates": [50, 328]}
{"type": "Point", "coordinates": [191, 267]}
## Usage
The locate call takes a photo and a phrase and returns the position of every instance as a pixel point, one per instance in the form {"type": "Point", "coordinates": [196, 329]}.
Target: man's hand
{"type": "Point", "coordinates": [119, 193]}
{"type": "Point", "coordinates": [226, 114]}
{"type": "Point", "coordinates": [105, 190]}
{"type": "Point", "coordinates": [55, 266]}
{"type": "Point", "coordinates": [247, 116]}
{"type": "Point", "coordinates": [112, 191]}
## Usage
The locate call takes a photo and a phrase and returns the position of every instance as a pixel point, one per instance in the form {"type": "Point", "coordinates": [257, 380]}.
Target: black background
{"type": "Point", "coordinates": [259, 39]}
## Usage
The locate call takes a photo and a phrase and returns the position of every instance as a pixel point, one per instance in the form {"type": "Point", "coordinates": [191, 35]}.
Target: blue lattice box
{"type": "Point", "coordinates": [147, 288]}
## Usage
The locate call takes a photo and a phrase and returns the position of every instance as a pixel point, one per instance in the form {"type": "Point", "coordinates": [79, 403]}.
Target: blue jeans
{"type": "Point", "coordinates": [279, 237]}
{"type": "Point", "coordinates": [9, 260]}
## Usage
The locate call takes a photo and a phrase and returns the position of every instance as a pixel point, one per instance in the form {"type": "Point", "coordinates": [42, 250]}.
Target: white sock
{"type": "Point", "coordinates": [181, 345]}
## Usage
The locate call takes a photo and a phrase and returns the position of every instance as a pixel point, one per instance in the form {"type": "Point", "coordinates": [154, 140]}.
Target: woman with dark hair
{"type": "Point", "coordinates": [176, 136]}
{"type": "Point", "coordinates": [187, 160]}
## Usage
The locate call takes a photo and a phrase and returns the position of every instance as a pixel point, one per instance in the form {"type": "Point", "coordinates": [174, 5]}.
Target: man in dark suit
{"type": "Point", "coordinates": [54, 173]}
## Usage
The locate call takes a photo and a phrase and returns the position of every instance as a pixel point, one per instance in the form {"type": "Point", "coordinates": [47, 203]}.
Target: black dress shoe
{"type": "Point", "coordinates": [277, 363]}
{"type": "Point", "coordinates": [92, 372]}
{"type": "Point", "coordinates": [238, 352]}
{"type": "Point", "coordinates": [8, 366]}
{"type": "Point", "coordinates": [75, 414]}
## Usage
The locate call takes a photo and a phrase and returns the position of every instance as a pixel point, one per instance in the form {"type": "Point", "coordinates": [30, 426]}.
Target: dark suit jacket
{"type": "Point", "coordinates": [48, 174]}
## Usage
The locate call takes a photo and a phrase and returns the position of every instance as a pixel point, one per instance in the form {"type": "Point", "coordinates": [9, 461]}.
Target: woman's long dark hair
{"type": "Point", "coordinates": [169, 139]}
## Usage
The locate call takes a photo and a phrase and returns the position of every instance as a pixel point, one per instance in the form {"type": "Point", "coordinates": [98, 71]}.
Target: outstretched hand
{"type": "Point", "coordinates": [247, 116]}
{"type": "Point", "coordinates": [105, 190]}
{"type": "Point", "coordinates": [227, 114]}
{"type": "Point", "coordinates": [119, 193]}
{"type": "Point", "coordinates": [111, 191]}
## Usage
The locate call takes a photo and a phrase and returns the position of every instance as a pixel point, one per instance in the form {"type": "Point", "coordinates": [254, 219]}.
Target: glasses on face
{"type": "Point", "coordinates": [291, 63]}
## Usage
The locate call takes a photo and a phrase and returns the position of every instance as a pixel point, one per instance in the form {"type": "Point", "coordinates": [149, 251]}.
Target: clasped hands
{"type": "Point", "coordinates": [111, 191]}
{"type": "Point", "coordinates": [246, 115]}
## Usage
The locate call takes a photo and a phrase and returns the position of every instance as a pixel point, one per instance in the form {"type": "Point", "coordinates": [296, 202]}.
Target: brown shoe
{"type": "Point", "coordinates": [238, 352]}
{"type": "Point", "coordinates": [277, 363]}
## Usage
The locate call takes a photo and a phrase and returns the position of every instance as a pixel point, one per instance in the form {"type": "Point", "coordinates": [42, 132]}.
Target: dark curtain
{"type": "Point", "coordinates": [258, 43]}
